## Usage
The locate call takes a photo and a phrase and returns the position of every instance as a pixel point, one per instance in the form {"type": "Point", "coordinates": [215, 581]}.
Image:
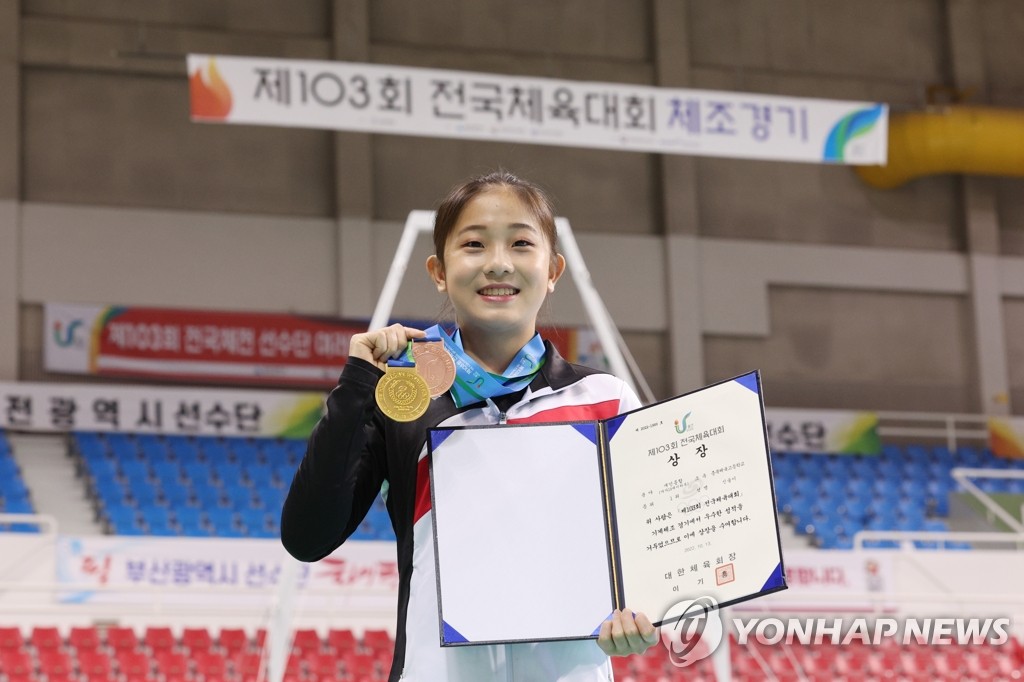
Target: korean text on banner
{"type": "Point", "coordinates": [402, 100]}
{"type": "Point", "coordinates": [93, 568]}
{"type": "Point", "coordinates": [210, 346]}
{"type": "Point", "coordinates": [164, 343]}
{"type": "Point", "coordinates": [158, 410]}
{"type": "Point", "coordinates": [826, 431]}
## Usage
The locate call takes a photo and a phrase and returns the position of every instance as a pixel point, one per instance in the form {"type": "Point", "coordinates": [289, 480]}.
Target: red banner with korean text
{"type": "Point", "coordinates": [203, 346]}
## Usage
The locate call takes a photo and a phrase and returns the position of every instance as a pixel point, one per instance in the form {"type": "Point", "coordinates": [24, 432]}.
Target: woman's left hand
{"type": "Point", "coordinates": [624, 634]}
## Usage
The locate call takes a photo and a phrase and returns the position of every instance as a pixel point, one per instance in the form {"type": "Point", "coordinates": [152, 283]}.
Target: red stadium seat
{"type": "Point", "coordinates": [294, 666]}
{"type": "Point", "coordinates": [133, 664]}
{"type": "Point", "coordinates": [122, 638]}
{"type": "Point", "coordinates": [172, 665]}
{"type": "Point", "coordinates": [885, 661]}
{"type": "Point", "coordinates": [306, 641]}
{"type": "Point", "coordinates": [210, 664]}
{"type": "Point", "coordinates": [233, 640]}
{"type": "Point", "coordinates": [10, 638]}
{"type": "Point", "coordinates": [247, 665]}
{"type": "Point", "coordinates": [621, 667]}
{"type": "Point", "coordinates": [323, 666]}
{"type": "Point", "coordinates": [378, 640]}
{"type": "Point", "coordinates": [84, 638]}
{"type": "Point", "coordinates": [918, 659]}
{"type": "Point", "coordinates": [94, 665]}
{"type": "Point", "coordinates": [15, 662]}
{"type": "Point", "coordinates": [360, 666]}
{"type": "Point", "coordinates": [159, 639]}
{"type": "Point", "coordinates": [55, 664]}
{"type": "Point", "coordinates": [342, 640]}
{"type": "Point", "coordinates": [43, 638]}
{"type": "Point", "coordinates": [196, 639]}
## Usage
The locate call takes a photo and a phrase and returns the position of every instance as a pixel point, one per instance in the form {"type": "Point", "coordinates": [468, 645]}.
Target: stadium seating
{"type": "Point", "coordinates": [831, 497]}
{"type": "Point", "coordinates": [185, 486]}
{"type": "Point", "coordinates": [15, 497]}
{"type": "Point", "coordinates": [120, 654]}
{"type": "Point", "coordinates": [235, 487]}
{"type": "Point", "coordinates": [198, 655]}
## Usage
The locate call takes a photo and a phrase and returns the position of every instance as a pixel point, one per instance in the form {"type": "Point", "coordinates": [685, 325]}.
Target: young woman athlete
{"type": "Point", "coordinates": [495, 259]}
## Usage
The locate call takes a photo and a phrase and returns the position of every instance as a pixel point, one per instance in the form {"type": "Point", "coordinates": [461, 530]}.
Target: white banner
{"type": "Point", "coordinates": [403, 100]}
{"type": "Point", "coordinates": [158, 410]}
{"type": "Point", "coordinates": [828, 581]}
{"type": "Point", "coordinates": [825, 431]}
{"type": "Point", "coordinates": [96, 567]}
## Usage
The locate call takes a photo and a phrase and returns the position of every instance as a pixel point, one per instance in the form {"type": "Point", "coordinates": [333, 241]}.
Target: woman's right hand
{"type": "Point", "coordinates": [380, 345]}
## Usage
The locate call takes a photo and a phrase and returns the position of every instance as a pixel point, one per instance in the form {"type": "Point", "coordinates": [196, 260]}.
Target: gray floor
{"type": "Point", "coordinates": [50, 476]}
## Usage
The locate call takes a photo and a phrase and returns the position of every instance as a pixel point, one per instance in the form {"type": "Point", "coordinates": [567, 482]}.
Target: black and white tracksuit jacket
{"type": "Point", "coordinates": [354, 451]}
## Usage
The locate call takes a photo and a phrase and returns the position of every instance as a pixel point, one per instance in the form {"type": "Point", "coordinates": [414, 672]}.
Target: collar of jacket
{"type": "Point", "coordinates": [556, 372]}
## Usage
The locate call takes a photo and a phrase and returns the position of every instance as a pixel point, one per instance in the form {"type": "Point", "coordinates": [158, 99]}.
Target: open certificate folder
{"type": "Point", "coordinates": [540, 530]}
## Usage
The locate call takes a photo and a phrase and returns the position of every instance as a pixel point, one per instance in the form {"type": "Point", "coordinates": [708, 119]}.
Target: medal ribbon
{"type": "Point", "coordinates": [474, 384]}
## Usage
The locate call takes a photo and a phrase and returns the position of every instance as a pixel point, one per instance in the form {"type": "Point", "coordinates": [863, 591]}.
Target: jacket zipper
{"type": "Point", "coordinates": [502, 417]}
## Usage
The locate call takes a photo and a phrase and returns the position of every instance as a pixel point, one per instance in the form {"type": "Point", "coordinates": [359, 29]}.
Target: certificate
{"type": "Point", "coordinates": [541, 530]}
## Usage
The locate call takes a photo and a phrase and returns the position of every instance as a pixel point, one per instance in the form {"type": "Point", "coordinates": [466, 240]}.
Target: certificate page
{"type": "Point", "coordinates": [693, 499]}
{"type": "Point", "coordinates": [520, 533]}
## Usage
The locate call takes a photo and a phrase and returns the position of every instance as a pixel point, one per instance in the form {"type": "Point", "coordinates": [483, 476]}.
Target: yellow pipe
{"type": "Point", "coordinates": [972, 140]}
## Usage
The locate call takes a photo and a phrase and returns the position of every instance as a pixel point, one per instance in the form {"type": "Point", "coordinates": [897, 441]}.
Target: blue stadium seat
{"type": "Point", "coordinates": [258, 474]}
{"type": "Point", "coordinates": [225, 523]}
{"type": "Point", "coordinates": [124, 520]}
{"type": "Point", "coordinates": [18, 506]}
{"type": "Point", "coordinates": [215, 450]}
{"type": "Point", "coordinates": [175, 494]}
{"type": "Point", "coordinates": [123, 447]}
{"type": "Point", "coordinates": [184, 448]}
{"type": "Point", "coordinates": [255, 522]}
{"type": "Point", "coordinates": [153, 448]}
{"type": "Point", "coordinates": [102, 468]}
{"type": "Point", "coordinates": [167, 472]}
{"type": "Point", "coordinates": [227, 473]}
{"type": "Point", "coordinates": [134, 470]}
{"type": "Point", "coordinates": [273, 498]}
{"type": "Point", "coordinates": [144, 493]}
{"type": "Point", "coordinates": [245, 450]}
{"type": "Point", "coordinates": [197, 473]}
{"type": "Point", "coordinates": [190, 521]}
{"type": "Point", "coordinates": [207, 495]}
{"type": "Point", "coordinates": [158, 521]}
{"type": "Point", "coordinates": [111, 492]}
{"type": "Point", "coordinates": [239, 496]}
{"type": "Point", "coordinates": [90, 445]}
{"type": "Point", "coordinates": [272, 522]}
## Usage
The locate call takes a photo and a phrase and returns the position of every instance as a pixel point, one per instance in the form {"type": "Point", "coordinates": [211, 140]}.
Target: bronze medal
{"type": "Point", "coordinates": [434, 363]}
{"type": "Point", "coordinates": [402, 394]}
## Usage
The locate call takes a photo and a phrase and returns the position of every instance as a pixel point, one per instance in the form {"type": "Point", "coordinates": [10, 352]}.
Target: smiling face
{"type": "Point", "coordinates": [498, 266]}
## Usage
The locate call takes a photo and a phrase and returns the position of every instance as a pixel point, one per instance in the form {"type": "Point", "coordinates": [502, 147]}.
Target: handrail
{"type": "Point", "coordinates": [905, 536]}
{"type": "Point", "coordinates": [962, 476]}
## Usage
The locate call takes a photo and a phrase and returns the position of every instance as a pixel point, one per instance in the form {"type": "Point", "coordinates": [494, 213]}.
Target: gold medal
{"type": "Point", "coordinates": [402, 394]}
{"type": "Point", "coordinates": [434, 363]}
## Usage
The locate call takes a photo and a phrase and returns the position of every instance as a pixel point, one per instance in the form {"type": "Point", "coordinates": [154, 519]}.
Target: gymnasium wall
{"type": "Point", "coordinates": [109, 194]}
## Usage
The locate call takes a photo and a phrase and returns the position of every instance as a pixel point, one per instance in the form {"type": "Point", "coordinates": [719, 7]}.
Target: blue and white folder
{"type": "Point", "coordinates": [541, 530]}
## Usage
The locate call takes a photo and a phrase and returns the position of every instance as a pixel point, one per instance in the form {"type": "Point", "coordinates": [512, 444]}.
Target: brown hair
{"type": "Point", "coordinates": [532, 196]}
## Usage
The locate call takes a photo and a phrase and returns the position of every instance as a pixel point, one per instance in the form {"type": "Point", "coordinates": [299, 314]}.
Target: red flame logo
{"type": "Point", "coordinates": [211, 98]}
